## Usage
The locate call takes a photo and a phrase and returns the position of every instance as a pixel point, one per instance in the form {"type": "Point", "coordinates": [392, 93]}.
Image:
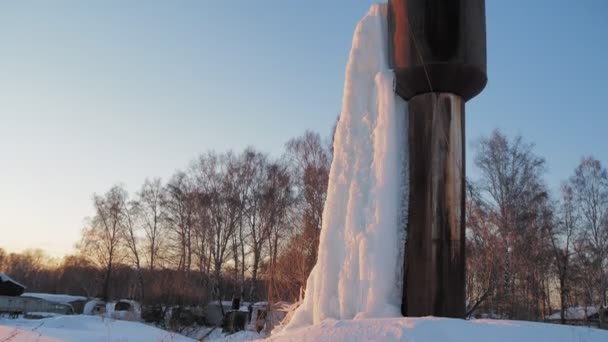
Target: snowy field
{"type": "Point", "coordinates": [82, 328]}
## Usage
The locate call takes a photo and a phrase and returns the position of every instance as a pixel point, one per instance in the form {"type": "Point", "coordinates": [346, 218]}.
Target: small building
{"type": "Point", "coordinates": [260, 316]}
{"type": "Point", "coordinates": [237, 318]}
{"type": "Point", "coordinates": [76, 302]}
{"type": "Point", "coordinates": [14, 301]}
{"type": "Point", "coordinates": [10, 287]}
{"type": "Point", "coordinates": [24, 304]}
{"type": "Point", "coordinates": [578, 315]}
{"type": "Point", "coordinates": [95, 307]}
{"type": "Point", "coordinates": [185, 315]}
{"type": "Point", "coordinates": [125, 309]}
{"type": "Point", "coordinates": [214, 311]}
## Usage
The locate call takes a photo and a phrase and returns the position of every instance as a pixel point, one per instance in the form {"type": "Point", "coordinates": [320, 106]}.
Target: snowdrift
{"type": "Point", "coordinates": [82, 328]}
{"type": "Point", "coordinates": [430, 329]}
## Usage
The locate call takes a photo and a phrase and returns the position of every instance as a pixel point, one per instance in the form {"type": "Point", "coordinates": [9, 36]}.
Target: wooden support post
{"type": "Point", "coordinates": [435, 264]}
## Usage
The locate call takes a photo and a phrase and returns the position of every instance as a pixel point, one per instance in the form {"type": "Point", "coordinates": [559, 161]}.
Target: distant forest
{"type": "Point", "coordinates": [247, 225]}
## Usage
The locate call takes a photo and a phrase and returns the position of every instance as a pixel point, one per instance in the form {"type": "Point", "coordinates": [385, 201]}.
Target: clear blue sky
{"type": "Point", "coordinates": [94, 93]}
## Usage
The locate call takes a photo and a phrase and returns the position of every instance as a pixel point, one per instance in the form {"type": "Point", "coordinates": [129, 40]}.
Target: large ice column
{"type": "Point", "coordinates": [359, 270]}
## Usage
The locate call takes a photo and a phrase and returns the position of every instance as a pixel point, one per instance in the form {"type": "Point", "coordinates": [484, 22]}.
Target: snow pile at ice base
{"type": "Point", "coordinates": [432, 329]}
{"type": "Point", "coordinates": [82, 328]}
{"type": "Point", "coordinates": [359, 269]}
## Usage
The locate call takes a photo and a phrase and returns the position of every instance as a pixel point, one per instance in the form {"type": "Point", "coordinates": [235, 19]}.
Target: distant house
{"type": "Point", "coordinates": [577, 315]}
{"type": "Point", "coordinates": [10, 287]}
{"type": "Point", "coordinates": [76, 302]}
{"type": "Point", "coordinates": [214, 312]}
{"type": "Point", "coordinates": [24, 305]}
{"type": "Point", "coordinates": [124, 309]}
{"type": "Point", "coordinates": [95, 307]}
{"type": "Point", "coordinates": [13, 300]}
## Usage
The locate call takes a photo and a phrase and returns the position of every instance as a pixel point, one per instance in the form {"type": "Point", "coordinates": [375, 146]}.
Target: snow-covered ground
{"type": "Point", "coordinates": [82, 328]}
{"type": "Point", "coordinates": [430, 329]}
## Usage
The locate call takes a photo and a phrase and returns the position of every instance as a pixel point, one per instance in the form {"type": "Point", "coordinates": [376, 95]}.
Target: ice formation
{"type": "Point", "coordinates": [359, 268]}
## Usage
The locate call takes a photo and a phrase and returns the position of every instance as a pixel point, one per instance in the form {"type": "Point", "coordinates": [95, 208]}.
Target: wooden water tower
{"type": "Point", "coordinates": [438, 52]}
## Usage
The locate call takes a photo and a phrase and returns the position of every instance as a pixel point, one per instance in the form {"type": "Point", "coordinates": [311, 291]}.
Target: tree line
{"type": "Point", "coordinates": [529, 251]}
{"type": "Point", "coordinates": [230, 225]}
{"type": "Point", "coordinates": [247, 225]}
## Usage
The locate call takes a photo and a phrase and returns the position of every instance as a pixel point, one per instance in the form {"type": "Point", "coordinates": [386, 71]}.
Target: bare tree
{"type": "Point", "coordinates": [590, 189]}
{"type": "Point", "coordinates": [517, 206]}
{"type": "Point", "coordinates": [562, 236]}
{"type": "Point", "coordinates": [254, 176]}
{"type": "Point", "coordinates": [202, 235]}
{"type": "Point", "coordinates": [179, 204]}
{"type": "Point", "coordinates": [483, 263]}
{"type": "Point", "coordinates": [3, 257]}
{"type": "Point", "coordinates": [214, 182]}
{"type": "Point", "coordinates": [131, 227]}
{"type": "Point", "coordinates": [309, 163]}
{"type": "Point", "coordinates": [151, 198]}
{"type": "Point", "coordinates": [236, 185]}
{"type": "Point", "coordinates": [250, 168]}
{"type": "Point", "coordinates": [101, 240]}
{"type": "Point", "coordinates": [276, 201]}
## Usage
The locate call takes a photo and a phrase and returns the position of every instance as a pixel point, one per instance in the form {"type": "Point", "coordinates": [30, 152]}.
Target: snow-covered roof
{"type": "Point", "coordinates": [576, 312]}
{"type": "Point", "coordinates": [55, 298]}
{"type": "Point", "coordinates": [5, 278]}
